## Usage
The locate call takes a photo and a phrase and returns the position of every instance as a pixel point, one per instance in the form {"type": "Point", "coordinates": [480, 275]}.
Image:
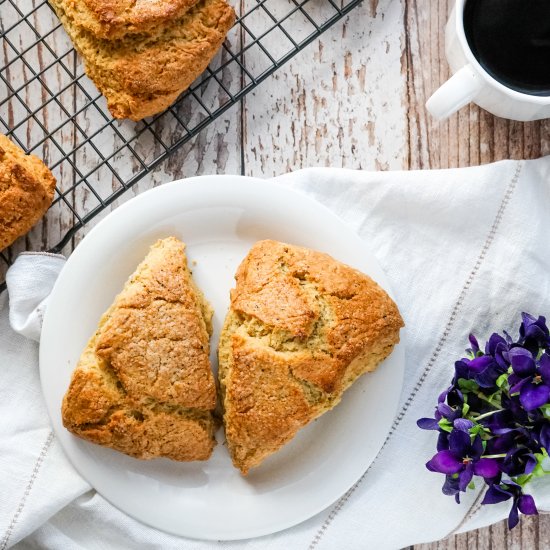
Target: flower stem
{"type": "Point", "coordinates": [485, 415]}
{"type": "Point", "coordinates": [494, 456]}
{"type": "Point", "coordinates": [483, 397]}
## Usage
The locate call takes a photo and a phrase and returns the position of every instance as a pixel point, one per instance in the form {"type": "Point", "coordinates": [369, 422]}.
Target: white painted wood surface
{"type": "Point", "coordinates": [355, 99]}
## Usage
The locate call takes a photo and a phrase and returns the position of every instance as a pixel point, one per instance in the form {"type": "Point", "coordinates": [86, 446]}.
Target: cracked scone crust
{"type": "Point", "coordinates": [301, 329]}
{"type": "Point", "coordinates": [113, 19]}
{"type": "Point", "coordinates": [26, 191]}
{"type": "Point", "coordinates": [142, 73]}
{"type": "Point", "coordinates": [144, 385]}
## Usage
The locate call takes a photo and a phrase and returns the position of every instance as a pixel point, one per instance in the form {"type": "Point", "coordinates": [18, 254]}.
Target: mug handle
{"type": "Point", "coordinates": [458, 91]}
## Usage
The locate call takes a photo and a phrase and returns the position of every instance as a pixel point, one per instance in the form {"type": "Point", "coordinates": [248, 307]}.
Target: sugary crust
{"type": "Point", "coordinates": [142, 74]}
{"type": "Point", "coordinates": [114, 19]}
{"type": "Point", "coordinates": [26, 191]}
{"type": "Point", "coordinates": [301, 329]}
{"type": "Point", "coordinates": [143, 385]}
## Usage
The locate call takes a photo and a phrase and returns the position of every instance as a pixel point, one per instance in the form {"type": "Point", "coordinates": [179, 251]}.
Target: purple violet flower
{"type": "Point", "coordinates": [474, 343]}
{"type": "Point", "coordinates": [451, 411]}
{"type": "Point", "coordinates": [484, 370]}
{"type": "Point", "coordinates": [463, 457]}
{"type": "Point", "coordinates": [451, 488]}
{"type": "Point", "coordinates": [533, 332]}
{"type": "Point", "coordinates": [519, 461]}
{"type": "Point", "coordinates": [532, 384]}
{"type": "Point", "coordinates": [505, 491]}
{"type": "Point", "coordinates": [494, 420]}
{"type": "Point", "coordinates": [498, 347]}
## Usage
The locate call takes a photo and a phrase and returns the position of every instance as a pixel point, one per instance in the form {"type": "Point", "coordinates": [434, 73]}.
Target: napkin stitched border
{"type": "Point", "coordinates": [34, 474]}
{"type": "Point", "coordinates": [474, 508]}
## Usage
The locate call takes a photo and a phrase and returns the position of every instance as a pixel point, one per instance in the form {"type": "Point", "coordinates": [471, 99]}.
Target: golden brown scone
{"type": "Point", "coordinates": [112, 19]}
{"type": "Point", "coordinates": [143, 385]}
{"type": "Point", "coordinates": [301, 329]}
{"type": "Point", "coordinates": [26, 191]}
{"type": "Point", "coordinates": [143, 73]}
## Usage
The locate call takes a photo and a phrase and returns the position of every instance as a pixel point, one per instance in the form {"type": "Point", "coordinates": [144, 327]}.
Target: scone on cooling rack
{"type": "Point", "coordinates": [143, 384]}
{"type": "Point", "coordinates": [26, 191]}
{"type": "Point", "coordinates": [142, 55]}
{"type": "Point", "coordinates": [301, 329]}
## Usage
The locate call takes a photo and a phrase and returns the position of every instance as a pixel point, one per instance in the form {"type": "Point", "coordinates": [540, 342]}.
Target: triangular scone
{"type": "Point", "coordinates": [143, 385]}
{"type": "Point", "coordinates": [301, 329]}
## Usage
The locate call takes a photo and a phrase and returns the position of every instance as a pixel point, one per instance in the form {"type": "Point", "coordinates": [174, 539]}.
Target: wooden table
{"type": "Point", "coordinates": [355, 99]}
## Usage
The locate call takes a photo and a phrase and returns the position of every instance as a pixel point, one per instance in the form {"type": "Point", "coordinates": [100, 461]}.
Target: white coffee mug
{"type": "Point", "coordinates": [471, 82]}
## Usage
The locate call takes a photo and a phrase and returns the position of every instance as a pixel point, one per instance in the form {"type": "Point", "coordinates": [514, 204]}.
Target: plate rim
{"type": "Point", "coordinates": [380, 278]}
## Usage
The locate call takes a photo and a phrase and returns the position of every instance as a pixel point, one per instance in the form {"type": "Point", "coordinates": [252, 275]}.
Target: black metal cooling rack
{"type": "Point", "coordinates": [50, 108]}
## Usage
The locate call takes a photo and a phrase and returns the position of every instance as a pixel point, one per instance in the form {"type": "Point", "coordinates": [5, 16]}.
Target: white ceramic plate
{"type": "Point", "coordinates": [219, 217]}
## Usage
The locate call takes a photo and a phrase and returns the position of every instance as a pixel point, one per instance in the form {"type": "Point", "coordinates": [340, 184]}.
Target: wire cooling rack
{"type": "Point", "coordinates": [50, 108]}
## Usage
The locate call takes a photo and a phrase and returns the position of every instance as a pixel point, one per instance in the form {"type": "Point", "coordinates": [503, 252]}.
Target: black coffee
{"type": "Point", "coordinates": [511, 40]}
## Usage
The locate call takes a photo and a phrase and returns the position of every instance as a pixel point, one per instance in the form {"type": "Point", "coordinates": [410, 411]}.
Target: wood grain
{"type": "Point", "coordinates": [354, 98]}
{"type": "Point", "coordinates": [533, 533]}
{"type": "Point", "coordinates": [470, 137]}
{"type": "Point", "coordinates": [343, 103]}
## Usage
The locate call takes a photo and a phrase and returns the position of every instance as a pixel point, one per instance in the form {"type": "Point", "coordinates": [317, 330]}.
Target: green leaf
{"type": "Point", "coordinates": [545, 410]}
{"type": "Point", "coordinates": [467, 385]}
{"type": "Point", "coordinates": [522, 479]}
{"type": "Point", "coordinates": [471, 485]}
{"type": "Point", "coordinates": [502, 380]}
{"type": "Point", "coordinates": [465, 409]}
{"type": "Point", "coordinates": [477, 429]}
{"type": "Point", "coordinates": [542, 460]}
{"type": "Point", "coordinates": [445, 425]}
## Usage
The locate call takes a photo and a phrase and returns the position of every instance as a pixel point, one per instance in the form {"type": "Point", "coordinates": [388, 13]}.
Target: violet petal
{"type": "Point", "coordinates": [533, 396]}
{"type": "Point", "coordinates": [459, 443]}
{"type": "Point", "coordinates": [480, 363]}
{"type": "Point", "coordinates": [427, 424]}
{"type": "Point", "coordinates": [463, 424]}
{"type": "Point", "coordinates": [445, 462]}
{"type": "Point", "coordinates": [522, 361]}
{"type": "Point", "coordinates": [513, 517]}
{"type": "Point", "coordinates": [545, 368]}
{"type": "Point", "coordinates": [544, 435]}
{"type": "Point", "coordinates": [530, 463]}
{"type": "Point", "coordinates": [526, 505]}
{"type": "Point", "coordinates": [496, 494]}
{"type": "Point", "coordinates": [477, 447]}
{"type": "Point", "coordinates": [443, 441]}
{"type": "Point", "coordinates": [465, 477]}
{"type": "Point", "coordinates": [486, 467]}
{"type": "Point", "coordinates": [517, 387]}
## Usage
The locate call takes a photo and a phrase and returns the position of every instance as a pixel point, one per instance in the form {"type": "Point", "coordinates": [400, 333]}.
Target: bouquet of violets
{"type": "Point", "coordinates": [494, 419]}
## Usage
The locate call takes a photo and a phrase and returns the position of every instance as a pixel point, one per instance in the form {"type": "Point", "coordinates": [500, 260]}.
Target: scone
{"type": "Point", "coordinates": [142, 55]}
{"type": "Point", "coordinates": [26, 191]}
{"type": "Point", "coordinates": [143, 385]}
{"type": "Point", "coordinates": [301, 329]}
{"type": "Point", "coordinates": [112, 19]}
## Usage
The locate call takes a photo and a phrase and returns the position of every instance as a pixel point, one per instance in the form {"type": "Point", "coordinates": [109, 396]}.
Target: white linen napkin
{"type": "Point", "coordinates": [465, 250]}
